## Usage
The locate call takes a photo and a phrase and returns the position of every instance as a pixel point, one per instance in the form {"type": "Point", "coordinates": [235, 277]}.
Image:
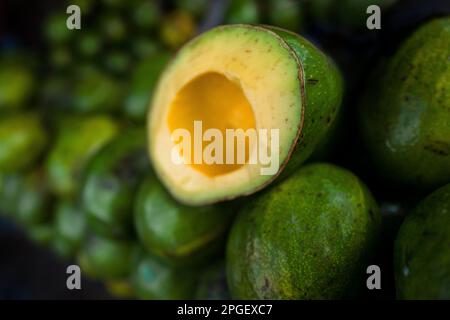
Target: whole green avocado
{"type": "Point", "coordinates": [22, 140]}
{"type": "Point", "coordinates": [305, 238]}
{"type": "Point", "coordinates": [177, 233]}
{"type": "Point", "coordinates": [405, 114]}
{"type": "Point", "coordinates": [422, 250]}
{"type": "Point", "coordinates": [77, 142]}
{"type": "Point", "coordinates": [110, 183]}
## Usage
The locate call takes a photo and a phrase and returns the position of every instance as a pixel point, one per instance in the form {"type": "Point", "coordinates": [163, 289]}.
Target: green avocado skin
{"type": "Point", "coordinates": [153, 278]}
{"type": "Point", "coordinates": [69, 228]}
{"type": "Point", "coordinates": [76, 143]}
{"type": "Point", "coordinates": [212, 283]}
{"type": "Point", "coordinates": [405, 114]}
{"type": "Point", "coordinates": [323, 96]}
{"type": "Point", "coordinates": [106, 259]}
{"type": "Point", "coordinates": [110, 183]}
{"type": "Point", "coordinates": [180, 234]}
{"type": "Point", "coordinates": [305, 238]}
{"type": "Point", "coordinates": [144, 79]}
{"type": "Point", "coordinates": [22, 140]}
{"type": "Point", "coordinates": [422, 250]}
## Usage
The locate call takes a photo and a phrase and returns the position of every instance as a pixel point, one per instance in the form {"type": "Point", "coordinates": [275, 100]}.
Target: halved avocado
{"type": "Point", "coordinates": [242, 77]}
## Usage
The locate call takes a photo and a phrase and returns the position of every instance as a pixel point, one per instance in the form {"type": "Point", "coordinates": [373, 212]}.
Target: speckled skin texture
{"type": "Point", "coordinates": [178, 233]}
{"type": "Point", "coordinates": [305, 238]}
{"type": "Point", "coordinates": [405, 115]}
{"type": "Point", "coordinates": [78, 140]}
{"type": "Point", "coordinates": [22, 140]}
{"type": "Point", "coordinates": [111, 181]}
{"type": "Point", "coordinates": [422, 250]}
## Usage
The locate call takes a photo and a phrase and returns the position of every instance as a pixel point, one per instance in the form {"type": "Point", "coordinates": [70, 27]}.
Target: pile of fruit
{"type": "Point", "coordinates": [87, 171]}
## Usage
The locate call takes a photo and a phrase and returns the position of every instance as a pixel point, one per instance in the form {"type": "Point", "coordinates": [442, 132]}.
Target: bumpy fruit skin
{"type": "Point", "coordinates": [178, 233]}
{"type": "Point", "coordinates": [405, 115]}
{"type": "Point", "coordinates": [422, 250]}
{"type": "Point", "coordinates": [306, 238]}
{"type": "Point", "coordinates": [106, 259]}
{"type": "Point", "coordinates": [69, 228]}
{"type": "Point", "coordinates": [22, 140]}
{"type": "Point", "coordinates": [111, 180]}
{"type": "Point", "coordinates": [145, 77]}
{"type": "Point", "coordinates": [78, 140]}
{"type": "Point", "coordinates": [155, 279]}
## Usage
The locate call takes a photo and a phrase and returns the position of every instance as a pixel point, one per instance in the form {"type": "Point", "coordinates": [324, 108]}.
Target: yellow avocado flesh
{"type": "Point", "coordinates": [219, 104]}
{"type": "Point", "coordinates": [231, 77]}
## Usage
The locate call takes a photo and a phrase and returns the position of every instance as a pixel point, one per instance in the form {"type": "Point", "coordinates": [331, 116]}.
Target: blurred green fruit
{"type": "Point", "coordinates": [155, 279]}
{"type": "Point", "coordinates": [144, 47]}
{"type": "Point", "coordinates": [22, 140]}
{"type": "Point", "coordinates": [76, 143]}
{"type": "Point", "coordinates": [118, 62]}
{"type": "Point", "coordinates": [111, 181]}
{"type": "Point", "coordinates": [212, 283]}
{"type": "Point", "coordinates": [16, 86]}
{"type": "Point", "coordinates": [113, 28]}
{"type": "Point", "coordinates": [89, 44]}
{"type": "Point", "coordinates": [243, 11]}
{"type": "Point", "coordinates": [404, 115]}
{"type": "Point", "coordinates": [42, 234]}
{"type": "Point", "coordinates": [422, 250]}
{"type": "Point", "coordinates": [95, 91]}
{"type": "Point", "coordinates": [146, 14]}
{"type": "Point", "coordinates": [175, 232]}
{"type": "Point", "coordinates": [70, 226]}
{"type": "Point", "coordinates": [106, 259]}
{"type": "Point", "coordinates": [287, 14]}
{"type": "Point", "coordinates": [56, 31]}
{"type": "Point", "coordinates": [177, 28]}
{"type": "Point", "coordinates": [144, 79]}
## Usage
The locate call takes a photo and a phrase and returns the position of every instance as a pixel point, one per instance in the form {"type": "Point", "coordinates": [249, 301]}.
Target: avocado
{"type": "Point", "coordinates": [17, 85]}
{"type": "Point", "coordinates": [422, 252]}
{"type": "Point", "coordinates": [79, 138]}
{"type": "Point", "coordinates": [350, 15]}
{"type": "Point", "coordinates": [212, 283]}
{"type": "Point", "coordinates": [287, 14]}
{"type": "Point", "coordinates": [32, 201]}
{"type": "Point", "coordinates": [55, 29]}
{"type": "Point", "coordinates": [69, 227]}
{"type": "Point", "coordinates": [95, 91]}
{"type": "Point", "coordinates": [144, 79]}
{"type": "Point", "coordinates": [110, 183]}
{"type": "Point", "coordinates": [10, 187]}
{"type": "Point", "coordinates": [178, 233]}
{"type": "Point", "coordinates": [106, 259]}
{"type": "Point", "coordinates": [153, 278]}
{"type": "Point", "coordinates": [23, 138]}
{"type": "Point", "coordinates": [243, 11]}
{"type": "Point", "coordinates": [121, 289]}
{"type": "Point", "coordinates": [404, 115]}
{"type": "Point", "coordinates": [308, 237]}
{"type": "Point", "coordinates": [264, 78]}
{"type": "Point", "coordinates": [42, 234]}
{"type": "Point", "coordinates": [177, 28]}
{"type": "Point", "coordinates": [145, 14]}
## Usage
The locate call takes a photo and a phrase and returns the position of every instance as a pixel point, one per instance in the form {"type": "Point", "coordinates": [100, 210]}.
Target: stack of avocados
{"type": "Point", "coordinates": [76, 174]}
